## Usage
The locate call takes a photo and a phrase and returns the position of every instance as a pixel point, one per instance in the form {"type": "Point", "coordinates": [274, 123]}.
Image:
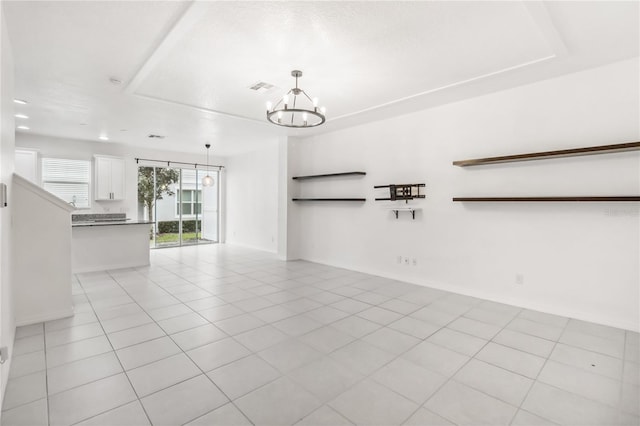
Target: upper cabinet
{"type": "Point", "coordinates": [26, 164]}
{"type": "Point", "coordinates": [109, 183]}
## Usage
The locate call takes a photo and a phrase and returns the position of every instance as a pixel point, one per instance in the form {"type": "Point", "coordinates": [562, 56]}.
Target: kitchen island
{"type": "Point", "coordinates": [101, 242]}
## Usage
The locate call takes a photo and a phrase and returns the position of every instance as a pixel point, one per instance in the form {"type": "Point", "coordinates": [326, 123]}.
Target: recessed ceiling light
{"type": "Point", "coordinates": [21, 116]}
{"type": "Point", "coordinates": [20, 101]}
{"type": "Point", "coordinates": [22, 128]}
{"type": "Point", "coordinates": [103, 138]}
{"type": "Point", "coordinates": [83, 124]}
{"type": "Point", "coordinates": [123, 130]}
{"type": "Point", "coordinates": [115, 81]}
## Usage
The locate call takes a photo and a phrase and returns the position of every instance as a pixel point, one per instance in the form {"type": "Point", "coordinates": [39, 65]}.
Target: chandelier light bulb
{"type": "Point", "coordinates": [279, 115]}
{"type": "Point", "coordinates": [304, 116]}
{"type": "Point", "coordinates": [269, 105]}
{"type": "Point", "coordinates": [285, 99]}
{"type": "Point", "coordinates": [323, 110]}
{"type": "Point", "coordinates": [315, 102]}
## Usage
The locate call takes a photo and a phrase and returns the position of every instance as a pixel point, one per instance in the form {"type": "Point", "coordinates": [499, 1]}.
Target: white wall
{"type": "Point", "coordinates": [577, 259]}
{"type": "Point", "coordinates": [252, 198]}
{"type": "Point", "coordinates": [85, 150]}
{"type": "Point", "coordinates": [7, 148]}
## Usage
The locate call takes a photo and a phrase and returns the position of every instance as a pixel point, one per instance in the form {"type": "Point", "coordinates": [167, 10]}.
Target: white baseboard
{"type": "Point", "coordinates": [230, 243]}
{"type": "Point", "coordinates": [109, 267]}
{"type": "Point", "coordinates": [548, 308]}
{"type": "Point", "coordinates": [46, 316]}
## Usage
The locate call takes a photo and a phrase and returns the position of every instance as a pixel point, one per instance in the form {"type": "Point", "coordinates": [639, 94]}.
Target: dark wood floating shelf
{"type": "Point", "coordinates": [328, 199]}
{"type": "Point", "coordinates": [329, 175]}
{"type": "Point", "coordinates": [544, 199]}
{"type": "Point", "coordinates": [602, 149]}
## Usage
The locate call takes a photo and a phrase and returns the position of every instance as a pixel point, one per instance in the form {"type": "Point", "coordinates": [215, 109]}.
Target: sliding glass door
{"type": "Point", "coordinates": [183, 212]}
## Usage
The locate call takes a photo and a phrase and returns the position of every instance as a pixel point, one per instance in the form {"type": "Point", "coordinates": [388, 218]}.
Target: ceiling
{"type": "Point", "coordinates": [185, 68]}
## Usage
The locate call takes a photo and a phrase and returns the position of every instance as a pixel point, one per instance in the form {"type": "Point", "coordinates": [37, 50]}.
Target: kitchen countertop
{"type": "Point", "coordinates": [109, 223]}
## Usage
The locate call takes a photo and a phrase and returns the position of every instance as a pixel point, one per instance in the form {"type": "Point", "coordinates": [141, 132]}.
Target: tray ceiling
{"type": "Point", "coordinates": [186, 67]}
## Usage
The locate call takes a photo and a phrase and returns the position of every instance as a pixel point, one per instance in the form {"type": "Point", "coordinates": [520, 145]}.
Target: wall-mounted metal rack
{"type": "Point", "coordinates": [404, 191]}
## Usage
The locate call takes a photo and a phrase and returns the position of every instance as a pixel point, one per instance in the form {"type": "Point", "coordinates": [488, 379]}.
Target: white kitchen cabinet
{"type": "Point", "coordinates": [109, 182]}
{"type": "Point", "coordinates": [26, 164]}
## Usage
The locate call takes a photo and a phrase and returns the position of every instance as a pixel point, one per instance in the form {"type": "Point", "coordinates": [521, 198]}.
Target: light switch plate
{"type": "Point", "coordinates": [3, 195]}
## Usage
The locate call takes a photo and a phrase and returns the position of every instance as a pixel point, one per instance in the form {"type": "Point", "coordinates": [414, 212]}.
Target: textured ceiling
{"type": "Point", "coordinates": [356, 56]}
{"type": "Point", "coordinates": [186, 67]}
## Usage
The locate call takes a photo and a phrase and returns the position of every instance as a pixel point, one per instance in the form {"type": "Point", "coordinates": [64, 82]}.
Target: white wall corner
{"type": "Point", "coordinates": [283, 196]}
{"type": "Point", "coordinates": [7, 153]}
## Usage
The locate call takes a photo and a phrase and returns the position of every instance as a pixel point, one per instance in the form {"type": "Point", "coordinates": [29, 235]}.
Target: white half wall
{"type": "Point", "coordinates": [252, 198]}
{"type": "Point", "coordinates": [575, 259]}
{"type": "Point", "coordinates": [42, 280]}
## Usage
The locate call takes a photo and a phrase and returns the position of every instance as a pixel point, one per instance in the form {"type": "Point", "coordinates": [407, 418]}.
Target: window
{"type": "Point", "coordinates": [191, 202]}
{"type": "Point", "coordinates": [67, 179]}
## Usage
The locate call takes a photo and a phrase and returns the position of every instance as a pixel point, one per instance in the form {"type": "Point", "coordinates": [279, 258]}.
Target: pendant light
{"type": "Point", "coordinates": [207, 180]}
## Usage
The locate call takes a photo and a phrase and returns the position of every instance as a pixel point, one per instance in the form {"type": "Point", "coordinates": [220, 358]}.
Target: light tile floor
{"type": "Point", "coordinates": [223, 335]}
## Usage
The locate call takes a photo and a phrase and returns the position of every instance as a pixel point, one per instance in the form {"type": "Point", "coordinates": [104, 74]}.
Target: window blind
{"type": "Point", "coordinates": [61, 170]}
{"type": "Point", "coordinates": [67, 179]}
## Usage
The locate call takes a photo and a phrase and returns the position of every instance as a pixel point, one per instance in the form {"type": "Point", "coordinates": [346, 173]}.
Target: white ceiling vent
{"type": "Point", "coordinates": [262, 87]}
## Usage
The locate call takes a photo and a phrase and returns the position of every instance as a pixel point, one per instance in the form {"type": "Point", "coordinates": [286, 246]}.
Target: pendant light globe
{"type": "Point", "coordinates": [208, 180]}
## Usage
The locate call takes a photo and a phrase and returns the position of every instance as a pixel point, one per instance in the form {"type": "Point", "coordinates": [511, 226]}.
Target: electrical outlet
{"type": "Point", "coordinates": [519, 279]}
{"type": "Point", "coordinates": [406, 261]}
{"type": "Point", "coordinates": [399, 260]}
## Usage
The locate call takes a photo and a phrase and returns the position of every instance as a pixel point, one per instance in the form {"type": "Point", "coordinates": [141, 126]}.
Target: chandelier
{"type": "Point", "coordinates": [294, 110]}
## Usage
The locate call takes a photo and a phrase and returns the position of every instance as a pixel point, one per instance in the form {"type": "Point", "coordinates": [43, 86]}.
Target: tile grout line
{"type": "Point", "coordinates": [451, 377]}
{"type": "Point", "coordinates": [360, 338]}
{"type": "Point", "coordinates": [546, 359]}
{"type": "Point", "coordinates": [121, 366]}
{"type": "Point", "coordinates": [281, 373]}
{"type": "Point", "coordinates": [46, 374]}
{"type": "Point", "coordinates": [197, 366]}
{"type": "Point", "coordinates": [395, 356]}
{"type": "Point", "coordinates": [421, 340]}
{"type": "Point", "coordinates": [621, 390]}
{"type": "Point", "coordinates": [251, 352]}
{"type": "Point", "coordinates": [323, 324]}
